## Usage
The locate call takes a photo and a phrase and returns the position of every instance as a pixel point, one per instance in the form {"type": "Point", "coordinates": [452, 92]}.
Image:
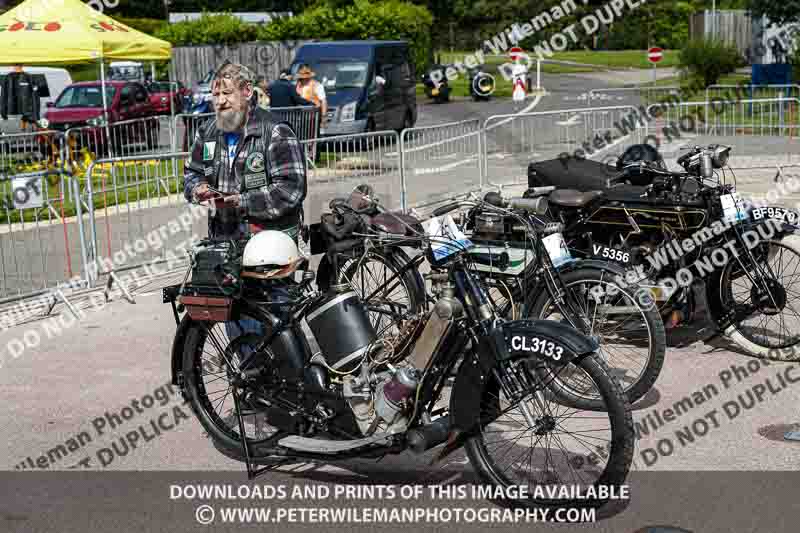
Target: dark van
{"type": "Point", "coordinates": [357, 100]}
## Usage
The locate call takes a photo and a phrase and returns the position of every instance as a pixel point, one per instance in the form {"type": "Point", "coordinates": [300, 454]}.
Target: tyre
{"type": "Point", "coordinates": [207, 376]}
{"type": "Point", "coordinates": [598, 453]}
{"type": "Point", "coordinates": [630, 331]}
{"type": "Point", "coordinates": [773, 331]}
{"type": "Point", "coordinates": [390, 297]}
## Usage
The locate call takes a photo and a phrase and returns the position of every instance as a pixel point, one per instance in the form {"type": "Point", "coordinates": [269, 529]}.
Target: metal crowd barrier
{"type": "Point", "coordinates": [119, 139]}
{"type": "Point", "coordinates": [137, 211]}
{"type": "Point", "coordinates": [759, 117]}
{"type": "Point", "coordinates": [511, 142]}
{"type": "Point", "coordinates": [305, 120]}
{"type": "Point", "coordinates": [751, 92]}
{"type": "Point", "coordinates": [345, 161]}
{"type": "Point", "coordinates": [434, 158]}
{"type": "Point", "coordinates": [647, 94]}
{"type": "Point", "coordinates": [40, 231]}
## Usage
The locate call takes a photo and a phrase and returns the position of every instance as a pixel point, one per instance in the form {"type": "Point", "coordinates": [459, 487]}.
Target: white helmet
{"type": "Point", "coordinates": [270, 255]}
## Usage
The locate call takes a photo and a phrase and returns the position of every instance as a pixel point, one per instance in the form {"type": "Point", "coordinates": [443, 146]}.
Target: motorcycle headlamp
{"type": "Point", "coordinates": [719, 156]}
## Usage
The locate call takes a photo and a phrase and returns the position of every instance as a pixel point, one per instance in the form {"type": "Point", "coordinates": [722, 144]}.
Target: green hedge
{"type": "Point", "coordinates": [392, 19]}
{"type": "Point", "coordinates": [145, 25]}
{"type": "Point", "coordinates": [708, 59]}
{"type": "Point", "coordinates": [218, 29]}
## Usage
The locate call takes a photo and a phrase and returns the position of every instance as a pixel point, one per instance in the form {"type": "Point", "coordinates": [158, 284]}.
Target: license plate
{"type": "Point", "coordinates": [557, 249]}
{"type": "Point", "coordinates": [612, 254]}
{"type": "Point", "coordinates": [434, 92]}
{"type": "Point", "coordinates": [447, 238]}
{"type": "Point", "coordinates": [786, 215]}
{"type": "Point", "coordinates": [733, 208]}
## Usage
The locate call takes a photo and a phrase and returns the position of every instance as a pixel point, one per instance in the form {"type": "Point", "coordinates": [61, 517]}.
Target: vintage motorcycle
{"type": "Point", "coordinates": [268, 396]}
{"type": "Point", "coordinates": [709, 257]}
{"type": "Point", "coordinates": [524, 276]}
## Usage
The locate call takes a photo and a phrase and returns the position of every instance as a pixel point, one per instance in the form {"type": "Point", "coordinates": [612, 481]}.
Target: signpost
{"type": "Point", "coordinates": [519, 72]}
{"type": "Point", "coordinates": [654, 55]}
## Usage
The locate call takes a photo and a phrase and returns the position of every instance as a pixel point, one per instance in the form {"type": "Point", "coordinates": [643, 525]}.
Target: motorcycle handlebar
{"type": "Point", "coordinates": [500, 260]}
{"type": "Point", "coordinates": [531, 205]}
{"type": "Point", "coordinates": [443, 210]}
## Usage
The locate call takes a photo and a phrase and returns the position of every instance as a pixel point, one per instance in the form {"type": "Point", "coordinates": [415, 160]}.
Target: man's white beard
{"type": "Point", "coordinates": [229, 120]}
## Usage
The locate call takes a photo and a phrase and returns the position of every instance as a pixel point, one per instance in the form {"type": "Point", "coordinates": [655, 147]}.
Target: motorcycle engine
{"type": "Point", "coordinates": [383, 400]}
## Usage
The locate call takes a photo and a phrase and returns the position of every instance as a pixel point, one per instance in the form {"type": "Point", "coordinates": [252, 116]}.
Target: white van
{"type": "Point", "coordinates": [51, 82]}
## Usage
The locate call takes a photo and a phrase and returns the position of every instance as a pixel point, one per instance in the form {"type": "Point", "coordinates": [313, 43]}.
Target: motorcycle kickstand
{"type": "Point", "coordinates": [250, 470]}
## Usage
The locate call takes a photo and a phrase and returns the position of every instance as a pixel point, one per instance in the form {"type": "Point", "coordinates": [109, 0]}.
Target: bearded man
{"type": "Point", "coordinates": [258, 165]}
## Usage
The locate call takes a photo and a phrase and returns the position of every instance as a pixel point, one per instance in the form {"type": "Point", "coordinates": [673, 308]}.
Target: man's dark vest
{"type": "Point", "coordinates": [209, 131]}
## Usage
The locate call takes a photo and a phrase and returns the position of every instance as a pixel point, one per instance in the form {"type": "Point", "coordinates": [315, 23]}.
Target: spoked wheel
{"type": "Point", "coordinates": [772, 329]}
{"type": "Point", "coordinates": [390, 296]}
{"type": "Point", "coordinates": [627, 325]}
{"type": "Point", "coordinates": [210, 359]}
{"type": "Point", "coordinates": [535, 441]}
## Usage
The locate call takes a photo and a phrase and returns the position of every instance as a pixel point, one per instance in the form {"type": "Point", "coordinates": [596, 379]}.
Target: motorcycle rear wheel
{"type": "Point", "coordinates": [632, 346]}
{"type": "Point", "coordinates": [208, 357]}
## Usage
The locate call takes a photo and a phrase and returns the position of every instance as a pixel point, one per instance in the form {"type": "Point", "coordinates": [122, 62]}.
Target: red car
{"type": "Point", "coordinates": [160, 94]}
{"type": "Point", "coordinates": [80, 106]}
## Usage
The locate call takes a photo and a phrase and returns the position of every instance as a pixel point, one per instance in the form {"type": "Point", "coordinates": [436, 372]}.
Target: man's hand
{"type": "Point", "coordinates": [201, 192]}
{"type": "Point", "coordinates": [233, 200]}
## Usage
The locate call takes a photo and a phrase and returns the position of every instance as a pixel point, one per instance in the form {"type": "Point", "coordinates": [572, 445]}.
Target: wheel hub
{"type": "Point", "coordinates": [545, 425]}
{"type": "Point", "coordinates": [772, 301]}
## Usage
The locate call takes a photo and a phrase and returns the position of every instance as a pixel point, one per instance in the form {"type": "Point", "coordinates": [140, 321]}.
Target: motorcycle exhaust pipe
{"type": "Point", "coordinates": [423, 439]}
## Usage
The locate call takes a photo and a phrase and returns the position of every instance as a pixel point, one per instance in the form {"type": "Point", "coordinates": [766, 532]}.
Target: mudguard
{"type": "Point", "coordinates": [591, 263]}
{"type": "Point", "coordinates": [177, 346]}
{"type": "Point", "coordinates": [545, 340]}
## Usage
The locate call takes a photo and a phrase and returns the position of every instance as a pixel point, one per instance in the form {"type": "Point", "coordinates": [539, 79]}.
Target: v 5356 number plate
{"type": "Point", "coordinates": [612, 254]}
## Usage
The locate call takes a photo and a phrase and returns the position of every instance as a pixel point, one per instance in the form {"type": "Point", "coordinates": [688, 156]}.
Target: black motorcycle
{"type": "Point", "coordinates": [706, 254]}
{"type": "Point", "coordinates": [266, 397]}
{"type": "Point", "coordinates": [436, 84]}
{"type": "Point", "coordinates": [481, 83]}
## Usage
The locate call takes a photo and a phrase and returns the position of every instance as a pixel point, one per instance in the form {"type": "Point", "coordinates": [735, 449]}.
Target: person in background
{"type": "Point", "coordinates": [311, 89]}
{"type": "Point", "coordinates": [282, 92]}
{"type": "Point", "coordinates": [262, 100]}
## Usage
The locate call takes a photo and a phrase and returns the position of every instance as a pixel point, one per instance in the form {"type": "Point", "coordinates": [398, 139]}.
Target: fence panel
{"type": "Point", "coordinates": [40, 232]}
{"type": "Point", "coordinates": [440, 161]}
{"type": "Point", "coordinates": [751, 92]}
{"type": "Point", "coordinates": [762, 132]}
{"type": "Point", "coordinates": [119, 139]}
{"type": "Point", "coordinates": [25, 152]}
{"type": "Point", "coordinates": [138, 213]}
{"type": "Point", "coordinates": [638, 95]}
{"type": "Point", "coordinates": [346, 161]}
{"type": "Point", "coordinates": [511, 142]}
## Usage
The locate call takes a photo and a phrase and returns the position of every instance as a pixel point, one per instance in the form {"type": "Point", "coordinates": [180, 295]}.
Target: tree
{"type": "Point", "coordinates": [778, 12]}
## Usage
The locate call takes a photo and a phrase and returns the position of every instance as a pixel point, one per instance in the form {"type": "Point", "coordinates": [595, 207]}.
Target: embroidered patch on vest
{"type": "Point", "coordinates": [208, 150]}
{"type": "Point", "coordinates": [254, 181]}
{"type": "Point", "coordinates": [255, 162]}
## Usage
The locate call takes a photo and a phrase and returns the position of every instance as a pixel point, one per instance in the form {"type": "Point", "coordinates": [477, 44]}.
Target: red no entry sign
{"type": "Point", "coordinates": [655, 54]}
{"type": "Point", "coordinates": [515, 53]}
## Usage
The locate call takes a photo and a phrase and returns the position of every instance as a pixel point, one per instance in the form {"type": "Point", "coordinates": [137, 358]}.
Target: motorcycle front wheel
{"type": "Point", "coordinates": [773, 330]}
{"type": "Point", "coordinates": [539, 442]}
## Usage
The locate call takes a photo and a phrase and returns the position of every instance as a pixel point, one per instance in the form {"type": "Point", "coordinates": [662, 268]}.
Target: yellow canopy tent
{"type": "Point", "coordinates": [68, 31]}
{"type": "Point", "coordinates": [51, 32]}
